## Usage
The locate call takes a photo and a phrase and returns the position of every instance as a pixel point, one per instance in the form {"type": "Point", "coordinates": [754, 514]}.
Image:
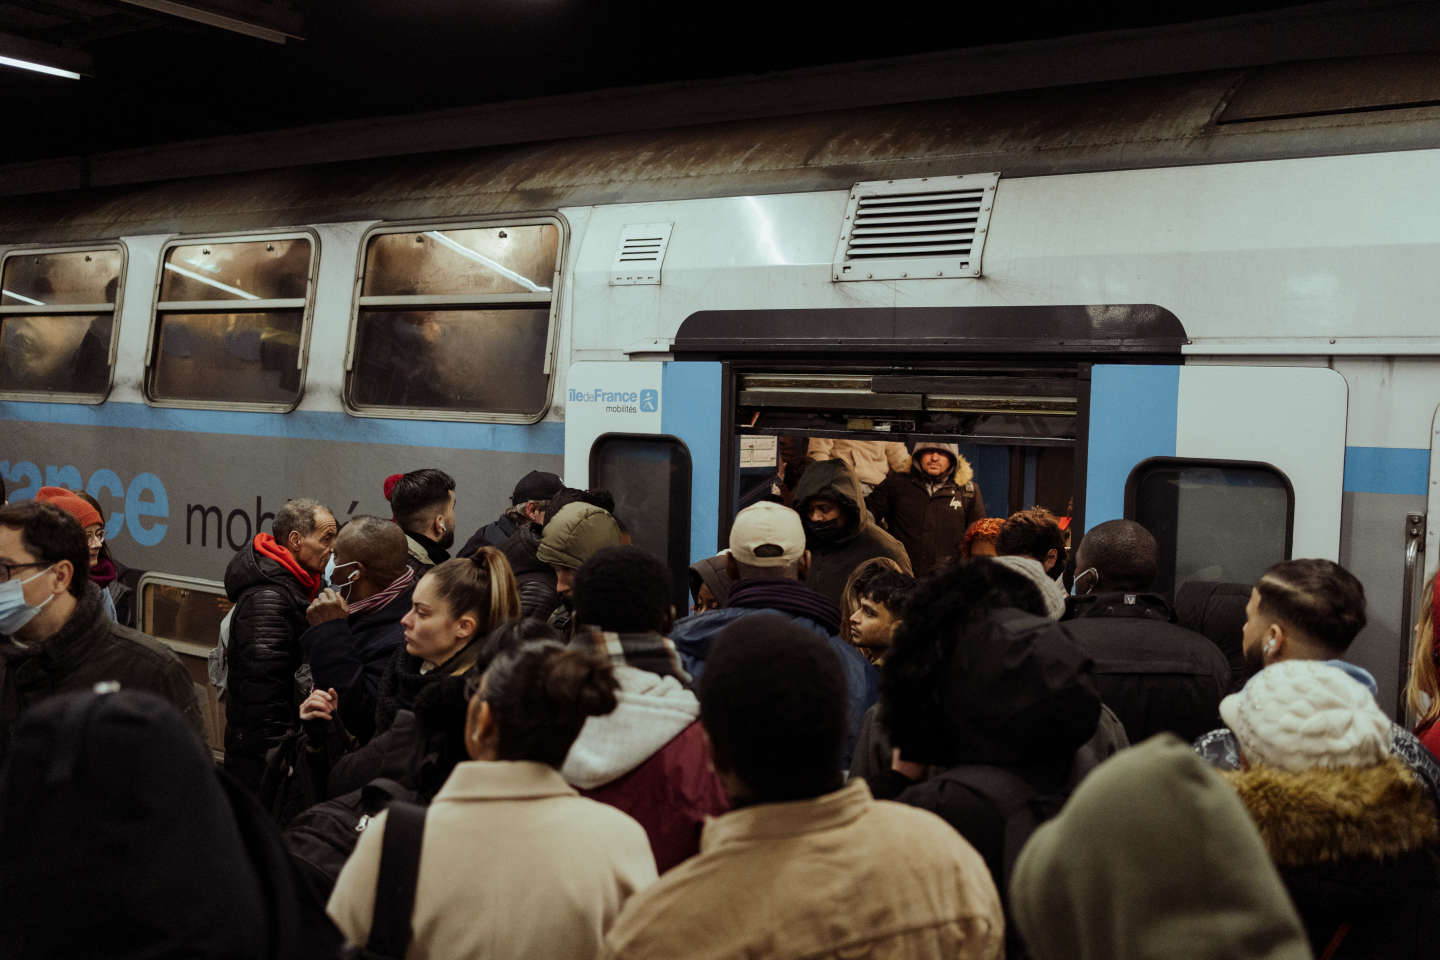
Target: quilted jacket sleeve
{"type": "Point", "coordinates": [264, 654]}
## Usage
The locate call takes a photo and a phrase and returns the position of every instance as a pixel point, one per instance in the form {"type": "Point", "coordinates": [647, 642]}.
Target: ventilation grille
{"type": "Point", "coordinates": [914, 229]}
{"type": "Point", "coordinates": [641, 254]}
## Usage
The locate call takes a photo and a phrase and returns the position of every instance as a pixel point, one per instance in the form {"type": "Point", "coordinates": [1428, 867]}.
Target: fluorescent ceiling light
{"type": "Point", "coordinates": [214, 283]}
{"type": "Point", "coordinates": [21, 296]}
{"type": "Point", "coordinates": [38, 68]}
{"type": "Point", "coordinates": [499, 268]}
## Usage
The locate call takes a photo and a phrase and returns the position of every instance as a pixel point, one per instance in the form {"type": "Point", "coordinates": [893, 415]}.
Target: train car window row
{"type": "Point", "coordinates": [57, 322]}
{"type": "Point", "coordinates": [455, 322]}
{"type": "Point", "coordinates": [230, 322]}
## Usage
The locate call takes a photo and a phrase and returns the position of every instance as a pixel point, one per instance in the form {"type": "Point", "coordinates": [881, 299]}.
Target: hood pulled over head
{"type": "Point", "coordinates": [832, 480]}
{"type": "Point", "coordinates": [1019, 693]}
{"type": "Point", "coordinates": [1182, 874]}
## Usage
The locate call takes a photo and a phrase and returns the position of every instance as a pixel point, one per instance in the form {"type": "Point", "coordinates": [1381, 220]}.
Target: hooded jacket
{"type": "Point", "coordinates": [1182, 874]}
{"type": "Point", "coordinates": [870, 460]}
{"type": "Point", "coordinates": [835, 555]}
{"type": "Point", "coordinates": [119, 838]}
{"type": "Point", "coordinates": [1356, 847]}
{"type": "Point", "coordinates": [927, 515]}
{"type": "Point", "coordinates": [264, 653]}
{"type": "Point", "coordinates": [577, 532]}
{"type": "Point", "coordinates": [1156, 675]}
{"type": "Point", "coordinates": [648, 758]}
{"type": "Point", "coordinates": [88, 649]}
{"type": "Point", "coordinates": [1021, 698]}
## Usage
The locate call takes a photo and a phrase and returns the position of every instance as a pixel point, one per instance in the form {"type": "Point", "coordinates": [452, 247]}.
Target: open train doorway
{"type": "Point", "coordinates": [1017, 426]}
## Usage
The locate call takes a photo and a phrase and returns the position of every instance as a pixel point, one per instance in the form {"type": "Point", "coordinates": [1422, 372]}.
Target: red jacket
{"type": "Point", "coordinates": [670, 794]}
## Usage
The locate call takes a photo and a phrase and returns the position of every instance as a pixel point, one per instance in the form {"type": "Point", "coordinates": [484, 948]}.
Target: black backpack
{"type": "Point", "coordinates": [1019, 803]}
{"type": "Point", "coordinates": [322, 838]}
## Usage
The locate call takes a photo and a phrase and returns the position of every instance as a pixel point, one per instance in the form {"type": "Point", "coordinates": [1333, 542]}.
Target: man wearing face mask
{"type": "Point", "coordinates": [1156, 675]}
{"type": "Point", "coordinates": [355, 621]}
{"type": "Point", "coordinates": [54, 634]}
{"type": "Point", "coordinates": [423, 504]}
{"type": "Point", "coordinates": [271, 581]}
{"type": "Point", "coordinates": [839, 531]}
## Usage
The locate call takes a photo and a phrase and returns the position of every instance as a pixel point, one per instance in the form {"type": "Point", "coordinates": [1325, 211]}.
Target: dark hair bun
{"type": "Point", "coordinates": [572, 676]}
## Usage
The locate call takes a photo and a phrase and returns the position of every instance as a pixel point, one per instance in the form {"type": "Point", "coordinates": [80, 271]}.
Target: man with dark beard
{"type": "Point", "coordinates": [1310, 610]}
{"type": "Point", "coordinates": [423, 504]}
{"type": "Point", "coordinates": [839, 531]}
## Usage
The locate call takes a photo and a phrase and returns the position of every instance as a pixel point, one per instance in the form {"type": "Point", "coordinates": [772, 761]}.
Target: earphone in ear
{"type": "Point", "coordinates": [1270, 646]}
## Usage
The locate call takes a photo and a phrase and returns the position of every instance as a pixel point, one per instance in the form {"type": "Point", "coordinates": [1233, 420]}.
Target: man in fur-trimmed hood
{"type": "Point", "coordinates": [930, 504]}
{"type": "Point", "coordinates": [1351, 828]}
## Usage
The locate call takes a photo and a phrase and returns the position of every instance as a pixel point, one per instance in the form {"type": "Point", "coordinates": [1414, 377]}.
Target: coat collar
{"type": "Point", "coordinates": [1352, 813]}
{"type": "Point", "coordinates": [776, 821]}
{"type": "Point", "coordinates": [504, 780]}
{"type": "Point", "coordinates": [78, 639]}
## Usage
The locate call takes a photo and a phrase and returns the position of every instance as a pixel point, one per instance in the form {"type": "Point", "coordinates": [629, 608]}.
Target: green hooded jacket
{"type": "Point", "coordinates": [577, 532]}
{"type": "Point", "coordinates": [1153, 857]}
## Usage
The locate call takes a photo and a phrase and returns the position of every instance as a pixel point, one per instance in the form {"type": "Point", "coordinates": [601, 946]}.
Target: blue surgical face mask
{"type": "Point", "coordinates": [343, 587]}
{"type": "Point", "coordinates": [14, 611]}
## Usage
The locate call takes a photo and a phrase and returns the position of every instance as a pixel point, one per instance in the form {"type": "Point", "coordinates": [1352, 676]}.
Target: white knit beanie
{"type": "Point", "coordinates": [1299, 714]}
{"type": "Point", "coordinates": [1031, 569]}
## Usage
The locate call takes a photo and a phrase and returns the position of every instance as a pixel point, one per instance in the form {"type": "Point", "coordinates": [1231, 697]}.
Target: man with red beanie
{"type": "Point", "coordinates": [271, 581]}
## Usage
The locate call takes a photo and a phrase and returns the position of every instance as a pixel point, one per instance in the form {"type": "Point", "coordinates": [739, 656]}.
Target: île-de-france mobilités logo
{"type": "Point", "coordinates": [649, 401]}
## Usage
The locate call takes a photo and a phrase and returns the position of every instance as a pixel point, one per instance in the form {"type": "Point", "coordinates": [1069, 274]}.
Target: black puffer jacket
{"type": "Point", "coordinates": [261, 702]}
{"type": "Point", "coordinates": [833, 556]}
{"type": "Point", "coordinates": [534, 578]}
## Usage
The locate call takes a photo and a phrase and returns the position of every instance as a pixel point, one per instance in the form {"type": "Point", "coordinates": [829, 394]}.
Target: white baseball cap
{"type": "Point", "coordinates": [767, 534]}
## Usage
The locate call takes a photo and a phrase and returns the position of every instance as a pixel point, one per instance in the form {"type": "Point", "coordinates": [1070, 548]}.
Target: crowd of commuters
{"type": "Point", "coordinates": [886, 727]}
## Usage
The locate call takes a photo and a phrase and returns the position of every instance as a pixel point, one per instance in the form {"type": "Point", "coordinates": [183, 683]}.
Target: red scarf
{"type": "Point", "coordinates": [268, 546]}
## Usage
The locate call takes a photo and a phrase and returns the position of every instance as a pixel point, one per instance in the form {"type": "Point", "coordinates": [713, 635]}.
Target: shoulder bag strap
{"type": "Point", "coordinates": [390, 925]}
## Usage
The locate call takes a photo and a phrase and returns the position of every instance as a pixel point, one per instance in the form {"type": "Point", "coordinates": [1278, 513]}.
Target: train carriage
{"type": "Point", "coordinates": [1170, 298]}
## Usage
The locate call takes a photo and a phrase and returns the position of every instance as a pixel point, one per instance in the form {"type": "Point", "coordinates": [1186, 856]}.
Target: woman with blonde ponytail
{"type": "Point", "coordinates": [1422, 693]}
{"type": "Point", "coordinates": [513, 862]}
{"type": "Point", "coordinates": [455, 605]}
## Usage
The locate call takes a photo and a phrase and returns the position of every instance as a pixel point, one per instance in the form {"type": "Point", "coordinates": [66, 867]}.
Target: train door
{"type": "Point", "coordinates": [649, 432]}
{"type": "Point", "coordinates": [1016, 424]}
{"type": "Point", "coordinates": [1233, 468]}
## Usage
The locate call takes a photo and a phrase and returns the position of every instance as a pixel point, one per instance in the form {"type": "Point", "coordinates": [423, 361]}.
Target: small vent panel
{"type": "Point", "coordinates": [641, 254]}
{"type": "Point", "coordinates": [915, 229]}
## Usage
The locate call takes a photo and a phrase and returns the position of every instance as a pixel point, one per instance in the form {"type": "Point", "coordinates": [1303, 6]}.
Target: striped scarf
{"type": "Point", "coordinates": [377, 600]}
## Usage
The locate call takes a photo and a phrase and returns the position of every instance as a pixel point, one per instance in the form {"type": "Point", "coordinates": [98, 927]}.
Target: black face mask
{"type": "Point", "coordinates": [827, 531]}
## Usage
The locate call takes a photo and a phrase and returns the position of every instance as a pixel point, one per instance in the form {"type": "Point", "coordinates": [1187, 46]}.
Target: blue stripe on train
{"type": "Point", "coordinates": [1400, 470]}
{"type": "Point", "coordinates": [545, 437]}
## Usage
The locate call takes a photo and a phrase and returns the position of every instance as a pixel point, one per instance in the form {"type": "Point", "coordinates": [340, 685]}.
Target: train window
{"type": "Point", "coordinates": [57, 322]}
{"type": "Point", "coordinates": [456, 323]}
{"type": "Point", "coordinates": [650, 478]}
{"type": "Point", "coordinates": [184, 613]}
{"type": "Point", "coordinates": [230, 322]}
{"type": "Point", "coordinates": [1225, 521]}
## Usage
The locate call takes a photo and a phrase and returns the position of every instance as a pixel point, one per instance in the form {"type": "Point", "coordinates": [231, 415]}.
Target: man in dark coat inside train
{"type": "Point", "coordinates": [355, 621]}
{"type": "Point", "coordinates": [271, 581]}
{"type": "Point", "coordinates": [930, 504]}
{"type": "Point", "coordinates": [839, 531]}
{"type": "Point", "coordinates": [1156, 675]}
{"type": "Point", "coordinates": [54, 633]}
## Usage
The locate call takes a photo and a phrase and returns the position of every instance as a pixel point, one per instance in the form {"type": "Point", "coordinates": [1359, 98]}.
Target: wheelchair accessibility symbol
{"type": "Point", "coordinates": [649, 401]}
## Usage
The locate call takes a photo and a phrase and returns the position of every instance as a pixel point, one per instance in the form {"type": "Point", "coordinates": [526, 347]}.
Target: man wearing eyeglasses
{"type": "Point", "coordinates": [54, 634]}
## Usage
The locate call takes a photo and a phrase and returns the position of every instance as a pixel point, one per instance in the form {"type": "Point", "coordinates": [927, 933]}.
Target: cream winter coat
{"type": "Point", "coordinates": [514, 864]}
{"type": "Point", "coordinates": [870, 459]}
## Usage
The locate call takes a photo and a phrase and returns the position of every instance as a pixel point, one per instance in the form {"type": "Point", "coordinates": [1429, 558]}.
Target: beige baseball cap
{"type": "Point", "coordinates": [767, 534]}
